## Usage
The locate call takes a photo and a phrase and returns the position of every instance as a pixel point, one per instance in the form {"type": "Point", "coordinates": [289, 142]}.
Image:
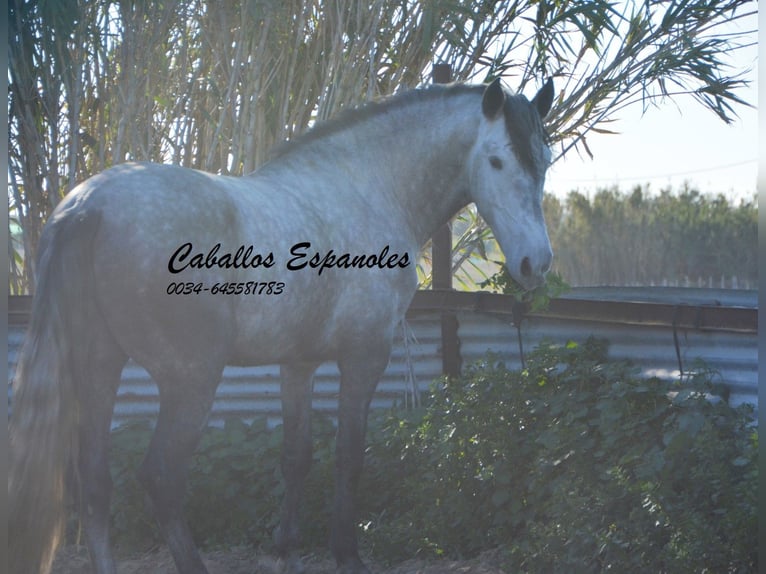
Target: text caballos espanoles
{"type": "Point", "coordinates": [301, 257]}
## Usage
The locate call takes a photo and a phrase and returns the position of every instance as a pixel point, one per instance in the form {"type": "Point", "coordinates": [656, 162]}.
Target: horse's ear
{"type": "Point", "coordinates": [493, 100]}
{"type": "Point", "coordinates": [544, 98]}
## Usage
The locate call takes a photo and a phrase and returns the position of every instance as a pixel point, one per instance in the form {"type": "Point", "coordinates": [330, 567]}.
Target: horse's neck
{"type": "Point", "coordinates": [409, 164]}
{"type": "Point", "coordinates": [428, 164]}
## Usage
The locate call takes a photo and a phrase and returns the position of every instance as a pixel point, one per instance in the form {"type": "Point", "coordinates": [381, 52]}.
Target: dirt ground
{"type": "Point", "coordinates": [74, 560]}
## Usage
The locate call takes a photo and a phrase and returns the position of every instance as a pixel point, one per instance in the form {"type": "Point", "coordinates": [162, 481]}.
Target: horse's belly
{"type": "Point", "coordinates": [267, 338]}
{"type": "Point", "coordinates": [277, 331]}
{"type": "Point", "coordinates": [317, 322]}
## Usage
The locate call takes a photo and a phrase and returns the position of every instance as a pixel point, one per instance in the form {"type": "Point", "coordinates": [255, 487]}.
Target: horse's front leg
{"type": "Point", "coordinates": [359, 377]}
{"type": "Point", "coordinates": [297, 385]}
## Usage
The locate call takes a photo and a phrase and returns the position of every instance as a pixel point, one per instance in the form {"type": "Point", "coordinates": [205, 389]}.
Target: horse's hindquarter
{"type": "Point", "coordinates": [147, 212]}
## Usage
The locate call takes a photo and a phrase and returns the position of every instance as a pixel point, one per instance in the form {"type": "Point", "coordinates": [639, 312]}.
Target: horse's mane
{"type": "Point", "coordinates": [349, 117]}
{"type": "Point", "coordinates": [521, 118]}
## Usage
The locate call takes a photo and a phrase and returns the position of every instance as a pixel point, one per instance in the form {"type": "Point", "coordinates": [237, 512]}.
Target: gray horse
{"type": "Point", "coordinates": [310, 258]}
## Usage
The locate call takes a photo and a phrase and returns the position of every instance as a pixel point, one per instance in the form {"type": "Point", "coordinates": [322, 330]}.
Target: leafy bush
{"type": "Point", "coordinates": [132, 523]}
{"type": "Point", "coordinates": [234, 490]}
{"type": "Point", "coordinates": [575, 464]}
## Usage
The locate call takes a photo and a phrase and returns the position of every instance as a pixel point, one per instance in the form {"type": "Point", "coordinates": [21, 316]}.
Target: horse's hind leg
{"type": "Point", "coordinates": [297, 385]}
{"type": "Point", "coordinates": [185, 402]}
{"type": "Point", "coordinates": [97, 390]}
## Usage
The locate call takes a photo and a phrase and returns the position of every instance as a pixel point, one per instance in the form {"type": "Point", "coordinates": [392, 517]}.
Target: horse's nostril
{"type": "Point", "coordinates": [526, 267]}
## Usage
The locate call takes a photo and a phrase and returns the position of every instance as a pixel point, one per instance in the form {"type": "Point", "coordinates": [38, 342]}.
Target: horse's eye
{"type": "Point", "coordinates": [495, 162]}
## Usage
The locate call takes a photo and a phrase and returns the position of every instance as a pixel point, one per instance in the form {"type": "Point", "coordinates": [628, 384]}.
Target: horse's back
{"type": "Point", "coordinates": [144, 191]}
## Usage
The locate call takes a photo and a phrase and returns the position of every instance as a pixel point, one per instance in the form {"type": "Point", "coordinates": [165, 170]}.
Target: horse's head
{"type": "Point", "coordinates": [508, 165]}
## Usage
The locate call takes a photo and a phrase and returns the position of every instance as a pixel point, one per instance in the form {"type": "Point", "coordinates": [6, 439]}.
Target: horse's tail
{"type": "Point", "coordinates": [44, 412]}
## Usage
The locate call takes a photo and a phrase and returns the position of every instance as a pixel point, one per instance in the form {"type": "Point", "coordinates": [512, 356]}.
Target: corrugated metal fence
{"type": "Point", "coordinates": [664, 331]}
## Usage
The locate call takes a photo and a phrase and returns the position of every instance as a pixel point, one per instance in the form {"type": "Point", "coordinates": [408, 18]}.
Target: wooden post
{"type": "Point", "coordinates": [441, 269]}
{"type": "Point", "coordinates": [441, 250]}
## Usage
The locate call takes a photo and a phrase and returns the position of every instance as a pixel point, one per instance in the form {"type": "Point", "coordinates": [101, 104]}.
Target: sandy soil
{"type": "Point", "coordinates": [74, 560]}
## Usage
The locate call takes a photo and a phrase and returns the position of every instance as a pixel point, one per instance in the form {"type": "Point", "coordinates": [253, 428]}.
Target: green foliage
{"type": "Point", "coordinates": [624, 238]}
{"type": "Point", "coordinates": [235, 485]}
{"type": "Point", "coordinates": [132, 522]}
{"type": "Point", "coordinates": [575, 464]}
{"type": "Point", "coordinates": [533, 300]}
